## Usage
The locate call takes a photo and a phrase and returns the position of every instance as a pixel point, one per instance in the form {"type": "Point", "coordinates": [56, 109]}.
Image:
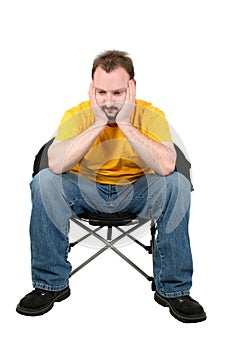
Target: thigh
{"type": "Point", "coordinates": [150, 193]}
{"type": "Point", "coordinates": [140, 197]}
{"type": "Point", "coordinates": [83, 194]}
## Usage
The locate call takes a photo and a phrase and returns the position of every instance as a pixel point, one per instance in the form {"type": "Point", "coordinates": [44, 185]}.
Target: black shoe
{"type": "Point", "coordinates": [184, 309]}
{"type": "Point", "coordinates": [38, 302]}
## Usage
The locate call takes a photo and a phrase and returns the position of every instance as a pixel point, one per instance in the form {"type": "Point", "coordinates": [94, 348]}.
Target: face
{"type": "Point", "coordinates": [111, 90]}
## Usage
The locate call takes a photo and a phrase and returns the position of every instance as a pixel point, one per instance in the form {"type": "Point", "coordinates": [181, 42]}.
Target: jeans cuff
{"type": "Point", "coordinates": [174, 294]}
{"type": "Point", "coordinates": [49, 288]}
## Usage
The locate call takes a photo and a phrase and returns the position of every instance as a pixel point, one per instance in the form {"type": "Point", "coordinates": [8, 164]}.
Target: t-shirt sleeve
{"type": "Point", "coordinates": [158, 127]}
{"type": "Point", "coordinates": [74, 122]}
{"type": "Point", "coordinates": [153, 123]}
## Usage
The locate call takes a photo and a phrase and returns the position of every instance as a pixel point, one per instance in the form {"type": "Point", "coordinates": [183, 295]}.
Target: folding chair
{"type": "Point", "coordinates": [124, 224]}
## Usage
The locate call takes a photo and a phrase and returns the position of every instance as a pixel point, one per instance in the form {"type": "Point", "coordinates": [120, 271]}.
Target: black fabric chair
{"type": "Point", "coordinates": [125, 224]}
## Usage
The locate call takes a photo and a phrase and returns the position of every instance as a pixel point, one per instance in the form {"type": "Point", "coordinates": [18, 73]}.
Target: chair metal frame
{"type": "Point", "coordinates": [124, 224]}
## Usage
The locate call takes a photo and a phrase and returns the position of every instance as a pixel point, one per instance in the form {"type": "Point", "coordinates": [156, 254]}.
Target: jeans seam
{"type": "Point", "coordinates": [161, 267]}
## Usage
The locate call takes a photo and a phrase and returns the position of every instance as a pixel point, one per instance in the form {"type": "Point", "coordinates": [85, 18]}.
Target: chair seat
{"type": "Point", "coordinates": [108, 219]}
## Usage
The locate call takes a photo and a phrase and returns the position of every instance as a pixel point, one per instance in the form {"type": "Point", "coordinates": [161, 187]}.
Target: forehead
{"type": "Point", "coordinates": [116, 79]}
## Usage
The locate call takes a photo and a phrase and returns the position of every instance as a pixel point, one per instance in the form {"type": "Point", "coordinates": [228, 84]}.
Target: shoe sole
{"type": "Point", "coordinates": [180, 317]}
{"type": "Point", "coordinates": [44, 309]}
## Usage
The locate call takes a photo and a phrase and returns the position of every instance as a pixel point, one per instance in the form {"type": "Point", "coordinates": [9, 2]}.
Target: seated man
{"type": "Point", "coordinates": [113, 153]}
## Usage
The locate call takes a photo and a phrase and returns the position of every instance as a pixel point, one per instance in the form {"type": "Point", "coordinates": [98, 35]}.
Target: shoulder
{"type": "Point", "coordinates": [81, 109]}
{"type": "Point", "coordinates": [148, 107]}
{"type": "Point", "coordinates": [152, 121]}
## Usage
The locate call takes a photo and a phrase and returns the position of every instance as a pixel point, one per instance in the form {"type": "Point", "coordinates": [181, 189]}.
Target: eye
{"type": "Point", "coordinates": [118, 93]}
{"type": "Point", "coordinates": [101, 92]}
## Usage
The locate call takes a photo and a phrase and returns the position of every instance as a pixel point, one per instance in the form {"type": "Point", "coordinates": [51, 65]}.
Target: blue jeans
{"type": "Point", "coordinates": [56, 198]}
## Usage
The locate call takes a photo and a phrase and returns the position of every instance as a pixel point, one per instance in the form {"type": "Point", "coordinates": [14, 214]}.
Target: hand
{"type": "Point", "coordinates": [100, 116]}
{"type": "Point", "coordinates": [123, 116]}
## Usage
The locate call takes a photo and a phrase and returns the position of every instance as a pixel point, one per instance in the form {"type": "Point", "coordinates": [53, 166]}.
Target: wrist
{"type": "Point", "coordinates": [126, 127]}
{"type": "Point", "coordinates": [98, 124]}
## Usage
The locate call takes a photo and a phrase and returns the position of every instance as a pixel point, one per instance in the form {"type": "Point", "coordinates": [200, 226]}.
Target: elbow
{"type": "Point", "coordinates": [53, 164]}
{"type": "Point", "coordinates": [167, 169]}
{"type": "Point", "coordinates": [55, 171]}
{"type": "Point", "coordinates": [169, 166]}
{"type": "Point", "coordinates": [54, 168]}
{"type": "Point", "coordinates": [57, 167]}
{"type": "Point", "coordinates": [170, 169]}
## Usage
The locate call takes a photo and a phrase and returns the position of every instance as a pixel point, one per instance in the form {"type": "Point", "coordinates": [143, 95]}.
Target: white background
{"type": "Point", "coordinates": [182, 51]}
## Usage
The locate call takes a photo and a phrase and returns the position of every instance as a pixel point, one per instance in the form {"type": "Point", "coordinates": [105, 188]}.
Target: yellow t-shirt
{"type": "Point", "coordinates": [111, 159]}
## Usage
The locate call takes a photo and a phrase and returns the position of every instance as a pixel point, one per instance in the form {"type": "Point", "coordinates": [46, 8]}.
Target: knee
{"type": "Point", "coordinates": [44, 181]}
{"type": "Point", "coordinates": [179, 190]}
{"type": "Point", "coordinates": [178, 200]}
{"type": "Point", "coordinates": [178, 183]}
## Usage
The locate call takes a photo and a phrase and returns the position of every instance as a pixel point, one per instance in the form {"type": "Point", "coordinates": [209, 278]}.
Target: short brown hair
{"type": "Point", "coordinates": [112, 59]}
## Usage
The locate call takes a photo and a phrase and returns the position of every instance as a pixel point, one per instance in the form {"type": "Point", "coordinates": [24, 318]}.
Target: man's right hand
{"type": "Point", "coordinates": [100, 116]}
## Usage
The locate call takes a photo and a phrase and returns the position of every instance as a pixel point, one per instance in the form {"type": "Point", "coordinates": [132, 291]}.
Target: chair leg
{"type": "Point", "coordinates": [88, 260]}
{"type": "Point", "coordinates": [109, 233]}
{"type": "Point", "coordinates": [149, 278]}
{"type": "Point", "coordinates": [153, 230]}
{"type": "Point", "coordinates": [109, 243]}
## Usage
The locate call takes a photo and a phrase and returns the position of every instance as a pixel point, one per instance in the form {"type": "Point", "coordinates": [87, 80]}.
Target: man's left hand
{"type": "Point", "coordinates": [123, 116]}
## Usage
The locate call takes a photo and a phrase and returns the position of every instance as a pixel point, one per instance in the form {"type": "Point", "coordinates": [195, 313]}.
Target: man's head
{"type": "Point", "coordinates": [112, 59]}
{"type": "Point", "coordinates": [111, 73]}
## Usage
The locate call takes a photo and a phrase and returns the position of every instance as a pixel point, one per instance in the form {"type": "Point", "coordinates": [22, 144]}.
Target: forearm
{"type": "Point", "coordinates": [63, 155]}
{"type": "Point", "coordinates": [158, 156]}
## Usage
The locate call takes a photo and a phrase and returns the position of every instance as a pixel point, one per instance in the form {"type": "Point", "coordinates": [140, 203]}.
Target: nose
{"type": "Point", "coordinates": [109, 99]}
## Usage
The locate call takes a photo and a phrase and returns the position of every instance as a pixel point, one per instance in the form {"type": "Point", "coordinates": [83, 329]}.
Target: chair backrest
{"type": "Point", "coordinates": [41, 158]}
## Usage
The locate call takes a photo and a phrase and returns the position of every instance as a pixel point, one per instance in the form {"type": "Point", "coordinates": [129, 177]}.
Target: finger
{"type": "Point", "coordinates": [128, 93]}
{"type": "Point", "coordinates": [90, 89]}
{"type": "Point", "coordinates": [132, 91]}
{"type": "Point", "coordinates": [93, 94]}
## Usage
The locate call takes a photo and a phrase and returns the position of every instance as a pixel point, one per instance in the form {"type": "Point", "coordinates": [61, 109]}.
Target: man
{"type": "Point", "coordinates": [112, 153]}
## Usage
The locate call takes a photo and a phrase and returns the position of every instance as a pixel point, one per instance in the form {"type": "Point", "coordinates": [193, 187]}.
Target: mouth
{"type": "Point", "coordinates": [111, 112]}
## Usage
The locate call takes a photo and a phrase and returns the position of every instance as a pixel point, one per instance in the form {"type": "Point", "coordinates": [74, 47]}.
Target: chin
{"type": "Point", "coordinates": [112, 121]}
{"type": "Point", "coordinates": [111, 117]}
